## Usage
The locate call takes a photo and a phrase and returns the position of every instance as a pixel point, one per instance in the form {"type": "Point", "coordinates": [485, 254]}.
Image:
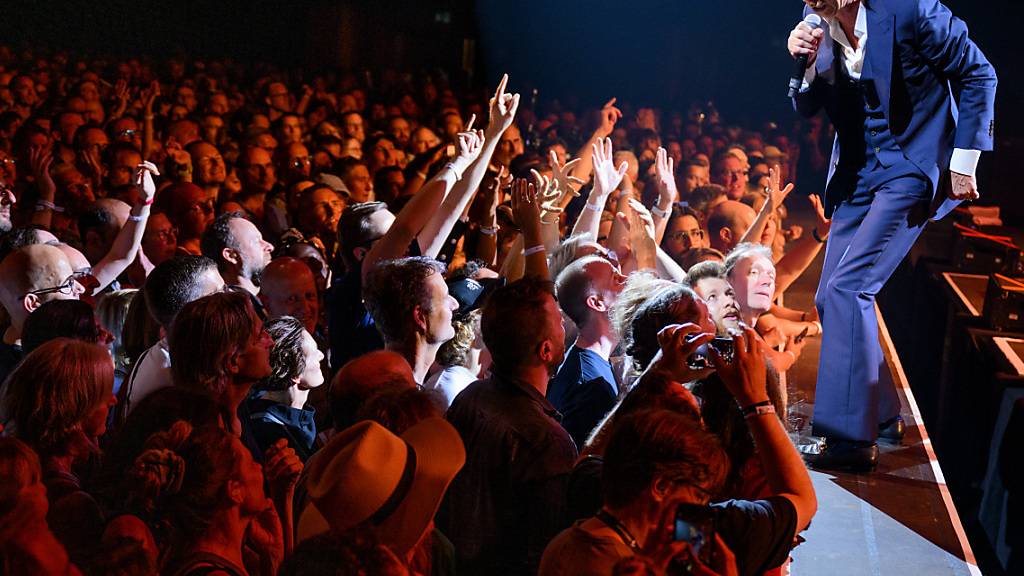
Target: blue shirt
{"type": "Point", "coordinates": [584, 391]}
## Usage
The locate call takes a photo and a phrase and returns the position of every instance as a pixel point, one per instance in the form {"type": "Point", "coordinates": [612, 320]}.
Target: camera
{"type": "Point", "coordinates": [695, 524]}
{"type": "Point", "coordinates": [701, 357]}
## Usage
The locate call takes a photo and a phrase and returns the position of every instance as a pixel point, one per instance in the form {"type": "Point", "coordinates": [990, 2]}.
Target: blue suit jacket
{"type": "Point", "coordinates": [919, 53]}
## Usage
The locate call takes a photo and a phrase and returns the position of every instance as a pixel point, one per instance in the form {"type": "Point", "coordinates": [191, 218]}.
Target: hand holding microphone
{"type": "Point", "coordinates": [803, 46]}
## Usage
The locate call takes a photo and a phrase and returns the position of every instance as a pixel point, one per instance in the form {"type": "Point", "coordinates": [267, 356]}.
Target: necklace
{"type": "Point", "coordinates": [619, 528]}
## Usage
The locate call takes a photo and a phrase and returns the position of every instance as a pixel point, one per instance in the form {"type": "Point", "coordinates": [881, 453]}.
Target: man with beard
{"type": "Point", "coordinates": [509, 500]}
{"type": "Point", "coordinates": [7, 201]}
{"type": "Point", "coordinates": [240, 252]}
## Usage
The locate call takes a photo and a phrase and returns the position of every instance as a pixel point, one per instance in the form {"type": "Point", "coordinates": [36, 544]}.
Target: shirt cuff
{"type": "Point", "coordinates": [964, 161]}
{"type": "Point", "coordinates": [809, 75]}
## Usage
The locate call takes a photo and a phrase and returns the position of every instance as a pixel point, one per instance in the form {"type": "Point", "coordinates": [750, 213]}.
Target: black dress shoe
{"type": "Point", "coordinates": [893, 429]}
{"type": "Point", "coordinates": [846, 456]}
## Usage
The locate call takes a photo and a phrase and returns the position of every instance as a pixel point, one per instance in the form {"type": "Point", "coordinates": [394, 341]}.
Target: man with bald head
{"type": "Point", "coordinates": [29, 277]}
{"type": "Point", "coordinates": [727, 222]}
{"type": "Point", "coordinates": [289, 289]}
{"type": "Point", "coordinates": [363, 377]}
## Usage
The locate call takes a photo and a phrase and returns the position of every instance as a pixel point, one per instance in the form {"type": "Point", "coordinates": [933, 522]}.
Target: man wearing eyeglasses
{"type": "Point", "coordinates": [30, 277]}
{"type": "Point", "coordinates": [732, 173]}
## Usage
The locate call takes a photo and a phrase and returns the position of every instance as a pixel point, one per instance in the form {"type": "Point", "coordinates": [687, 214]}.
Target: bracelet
{"type": "Point", "coordinates": [760, 411]}
{"type": "Point", "coordinates": [455, 171]}
{"type": "Point", "coordinates": [791, 354]}
{"type": "Point", "coordinates": [150, 201]}
{"type": "Point", "coordinates": [820, 240]}
{"type": "Point", "coordinates": [488, 230]}
{"type": "Point", "coordinates": [756, 407]}
{"type": "Point", "coordinates": [134, 218]}
{"type": "Point", "coordinates": [593, 207]}
{"type": "Point", "coordinates": [659, 212]}
{"type": "Point", "coordinates": [818, 326]}
{"type": "Point", "coordinates": [47, 205]}
{"type": "Point", "coordinates": [803, 316]}
{"type": "Point", "coordinates": [533, 250]}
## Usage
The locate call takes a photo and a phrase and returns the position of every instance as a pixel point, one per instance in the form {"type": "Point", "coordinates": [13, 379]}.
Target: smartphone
{"type": "Point", "coordinates": [450, 150]}
{"type": "Point", "coordinates": [701, 357]}
{"type": "Point", "coordinates": [800, 337]}
{"type": "Point", "coordinates": [695, 524]}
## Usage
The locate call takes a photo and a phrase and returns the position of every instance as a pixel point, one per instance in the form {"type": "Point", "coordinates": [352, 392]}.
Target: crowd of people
{"type": "Point", "coordinates": [344, 324]}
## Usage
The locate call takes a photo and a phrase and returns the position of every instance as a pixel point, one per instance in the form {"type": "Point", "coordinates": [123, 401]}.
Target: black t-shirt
{"type": "Point", "coordinates": [759, 532]}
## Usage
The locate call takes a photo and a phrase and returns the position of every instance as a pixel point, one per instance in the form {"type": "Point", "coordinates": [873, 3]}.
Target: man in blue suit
{"type": "Point", "coordinates": [905, 152]}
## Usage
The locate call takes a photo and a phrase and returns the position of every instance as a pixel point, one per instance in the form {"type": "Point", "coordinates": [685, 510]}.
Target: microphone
{"type": "Point", "coordinates": [800, 65]}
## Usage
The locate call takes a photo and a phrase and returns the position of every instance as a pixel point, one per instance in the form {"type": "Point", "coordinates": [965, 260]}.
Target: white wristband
{"type": "Point", "coordinates": [533, 250]}
{"type": "Point", "coordinates": [659, 212]}
{"type": "Point", "coordinates": [134, 218]}
{"type": "Point", "coordinates": [455, 171]}
{"type": "Point", "coordinates": [47, 205]}
{"type": "Point", "coordinates": [593, 207]}
{"type": "Point", "coordinates": [489, 231]}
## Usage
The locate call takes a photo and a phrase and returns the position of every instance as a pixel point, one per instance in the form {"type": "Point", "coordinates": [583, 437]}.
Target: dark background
{"type": "Point", "coordinates": [648, 52]}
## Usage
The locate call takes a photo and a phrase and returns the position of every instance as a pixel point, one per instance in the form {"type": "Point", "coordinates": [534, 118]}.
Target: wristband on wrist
{"type": "Point", "coordinates": [660, 213]}
{"type": "Point", "coordinates": [533, 250]}
{"type": "Point", "coordinates": [593, 207]}
{"type": "Point", "coordinates": [759, 411]}
{"type": "Point", "coordinates": [47, 205]}
{"type": "Point", "coordinates": [817, 237]}
{"type": "Point", "coordinates": [757, 408]}
{"type": "Point", "coordinates": [489, 230]}
{"type": "Point", "coordinates": [455, 171]}
{"type": "Point", "coordinates": [818, 326]}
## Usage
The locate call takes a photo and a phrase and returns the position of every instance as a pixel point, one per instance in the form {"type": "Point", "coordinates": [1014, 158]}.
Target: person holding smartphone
{"type": "Point", "coordinates": [657, 460]}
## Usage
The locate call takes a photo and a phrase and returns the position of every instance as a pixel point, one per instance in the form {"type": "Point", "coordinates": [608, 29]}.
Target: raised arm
{"type": "Point", "coordinates": [746, 379]}
{"type": "Point", "coordinates": [609, 116]}
{"type": "Point", "coordinates": [800, 256]}
{"type": "Point", "coordinates": [42, 213]}
{"type": "Point", "coordinates": [776, 196]}
{"type": "Point", "coordinates": [606, 179]}
{"type": "Point", "coordinates": [501, 112]}
{"type": "Point", "coordinates": [418, 211]}
{"type": "Point", "coordinates": [668, 193]}
{"type": "Point", "coordinates": [526, 208]}
{"type": "Point", "coordinates": [129, 239]}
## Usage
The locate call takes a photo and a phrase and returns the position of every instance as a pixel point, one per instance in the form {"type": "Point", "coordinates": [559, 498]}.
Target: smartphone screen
{"type": "Point", "coordinates": [694, 524]}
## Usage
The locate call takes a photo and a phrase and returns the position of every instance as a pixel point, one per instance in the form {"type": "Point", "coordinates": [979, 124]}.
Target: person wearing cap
{"type": "Point", "coordinates": [509, 500]}
{"type": "Point", "coordinates": [461, 356]}
{"type": "Point", "coordinates": [409, 302]}
{"type": "Point", "coordinates": [585, 388]}
{"type": "Point", "coordinates": [367, 479]}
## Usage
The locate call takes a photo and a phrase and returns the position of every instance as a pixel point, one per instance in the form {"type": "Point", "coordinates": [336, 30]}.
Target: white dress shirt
{"type": "Point", "coordinates": [852, 60]}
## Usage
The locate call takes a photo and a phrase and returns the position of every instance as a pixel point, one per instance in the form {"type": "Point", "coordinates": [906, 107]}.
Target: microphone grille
{"type": "Point", "coordinates": [813, 20]}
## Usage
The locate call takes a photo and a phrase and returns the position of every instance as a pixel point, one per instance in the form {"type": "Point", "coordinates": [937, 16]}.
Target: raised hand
{"type": "Point", "coordinates": [606, 177]}
{"type": "Point", "coordinates": [40, 161]}
{"type": "Point", "coordinates": [471, 143]}
{"type": "Point", "coordinates": [609, 116]}
{"type": "Point", "coordinates": [776, 193]}
{"type": "Point", "coordinates": [526, 208]}
{"type": "Point", "coordinates": [560, 174]}
{"type": "Point", "coordinates": [144, 183]}
{"type": "Point", "coordinates": [502, 108]}
{"type": "Point", "coordinates": [665, 168]}
{"type": "Point", "coordinates": [149, 96]}
{"type": "Point", "coordinates": [548, 195]}
{"type": "Point", "coordinates": [824, 224]}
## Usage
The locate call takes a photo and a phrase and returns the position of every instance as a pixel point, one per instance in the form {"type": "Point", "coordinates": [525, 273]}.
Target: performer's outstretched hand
{"type": "Point", "coordinates": [963, 187]}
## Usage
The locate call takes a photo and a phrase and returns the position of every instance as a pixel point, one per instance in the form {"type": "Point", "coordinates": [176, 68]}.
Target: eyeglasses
{"type": "Point", "coordinates": [166, 235]}
{"type": "Point", "coordinates": [81, 278]}
{"type": "Point", "coordinates": [301, 161]}
{"type": "Point", "coordinates": [8, 161]}
{"type": "Point", "coordinates": [678, 235]}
